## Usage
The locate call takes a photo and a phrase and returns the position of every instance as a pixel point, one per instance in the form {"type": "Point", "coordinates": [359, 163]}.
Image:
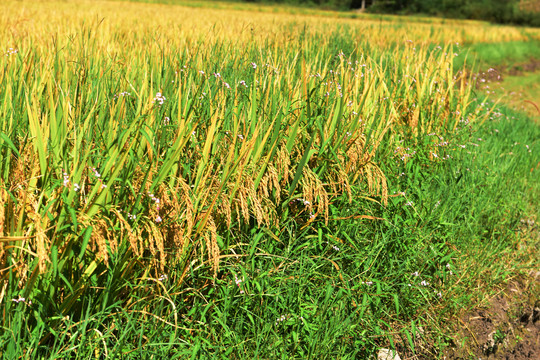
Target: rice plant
{"type": "Point", "coordinates": [132, 145]}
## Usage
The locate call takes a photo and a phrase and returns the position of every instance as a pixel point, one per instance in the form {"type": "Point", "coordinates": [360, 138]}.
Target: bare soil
{"type": "Point", "coordinates": [497, 74]}
{"type": "Point", "coordinates": [508, 325]}
{"type": "Point", "coordinates": [508, 328]}
{"type": "Point", "coordinates": [531, 66]}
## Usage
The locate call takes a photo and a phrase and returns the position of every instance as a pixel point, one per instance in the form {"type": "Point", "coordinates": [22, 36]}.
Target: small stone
{"type": "Point", "coordinates": [386, 354]}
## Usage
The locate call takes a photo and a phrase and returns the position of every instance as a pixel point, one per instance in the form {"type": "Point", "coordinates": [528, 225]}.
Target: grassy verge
{"type": "Point", "coordinates": [503, 55]}
{"type": "Point", "coordinates": [520, 92]}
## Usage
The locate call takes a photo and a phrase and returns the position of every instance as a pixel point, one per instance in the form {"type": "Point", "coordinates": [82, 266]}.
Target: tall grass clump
{"type": "Point", "coordinates": [136, 150]}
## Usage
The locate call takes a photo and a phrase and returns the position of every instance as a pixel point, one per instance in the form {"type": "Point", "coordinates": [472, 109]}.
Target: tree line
{"type": "Point", "coordinates": [497, 11]}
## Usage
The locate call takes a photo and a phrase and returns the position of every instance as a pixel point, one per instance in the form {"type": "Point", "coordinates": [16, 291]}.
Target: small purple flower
{"type": "Point", "coordinates": [11, 51]}
{"type": "Point", "coordinates": [96, 173]}
{"type": "Point", "coordinates": [66, 179]}
{"type": "Point", "coordinates": [238, 282]}
{"type": "Point", "coordinates": [159, 98]}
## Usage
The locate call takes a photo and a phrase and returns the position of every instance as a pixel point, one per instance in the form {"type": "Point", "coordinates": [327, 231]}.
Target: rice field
{"type": "Point", "coordinates": [147, 142]}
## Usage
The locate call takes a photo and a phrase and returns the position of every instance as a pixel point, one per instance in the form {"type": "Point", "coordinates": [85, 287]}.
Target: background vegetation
{"type": "Point", "coordinates": [498, 11]}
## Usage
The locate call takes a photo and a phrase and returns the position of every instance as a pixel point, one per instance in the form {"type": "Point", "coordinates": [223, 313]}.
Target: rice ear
{"type": "Point", "coordinates": [135, 241]}
{"type": "Point", "coordinates": [3, 204]}
{"type": "Point", "coordinates": [41, 240]}
{"type": "Point", "coordinates": [99, 237]}
{"type": "Point", "coordinates": [212, 245]}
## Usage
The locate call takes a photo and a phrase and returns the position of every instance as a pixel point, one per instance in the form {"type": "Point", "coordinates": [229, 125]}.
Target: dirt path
{"type": "Point", "coordinates": [507, 328]}
{"type": "Point", "coordinates": [518, 87]}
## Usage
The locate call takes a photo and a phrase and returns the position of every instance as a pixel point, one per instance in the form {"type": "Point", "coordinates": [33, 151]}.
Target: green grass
{"type": "Point", "coordinates": [503, 55]}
